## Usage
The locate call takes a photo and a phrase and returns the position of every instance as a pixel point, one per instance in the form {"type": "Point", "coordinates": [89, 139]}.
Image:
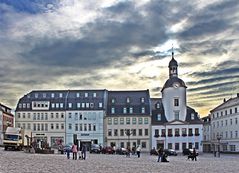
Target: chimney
{"type": "Point", "coordinates": [224, 100]}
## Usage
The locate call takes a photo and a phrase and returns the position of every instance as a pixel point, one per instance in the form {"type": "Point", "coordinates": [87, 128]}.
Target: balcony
{"type": "Point", "coordinates": [176, 135]}
{"type": "Point", "coordinates": [184, 134]}
{"type": "Point", "coordinates": [163, 135]}
{"type": "Point", "coordinates": [197, 134]}
{"type": "Point", "coordinates": [190, 134]}
{"type": "Point", "coordinates": [170, 135]}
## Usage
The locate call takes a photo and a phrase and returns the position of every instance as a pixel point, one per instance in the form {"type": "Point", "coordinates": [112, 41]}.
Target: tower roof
{"type": "Point", "coordinates": [173, 62]}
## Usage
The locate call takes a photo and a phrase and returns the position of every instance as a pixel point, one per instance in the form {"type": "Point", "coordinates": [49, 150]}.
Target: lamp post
{"type": "Point", "coordinates": [128, 132]}
{"type": "Point", "coordinates": [218, 139]}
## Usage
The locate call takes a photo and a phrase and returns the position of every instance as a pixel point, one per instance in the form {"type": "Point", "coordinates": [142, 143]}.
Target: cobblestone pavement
{"type": "Point", "coordinates": [20, 162]}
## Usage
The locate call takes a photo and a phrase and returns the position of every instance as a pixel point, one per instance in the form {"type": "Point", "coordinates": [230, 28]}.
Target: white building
{"type": "Point", "coordinates": [206, 142]}
{"type": "Point", "coordinates": [174, 124]}
{"type": "Point", "coordinates": [225, 127]}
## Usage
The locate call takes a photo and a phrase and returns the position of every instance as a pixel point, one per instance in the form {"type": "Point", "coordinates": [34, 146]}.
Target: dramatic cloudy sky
{"type": "Point", "coordinates": [119, 44]}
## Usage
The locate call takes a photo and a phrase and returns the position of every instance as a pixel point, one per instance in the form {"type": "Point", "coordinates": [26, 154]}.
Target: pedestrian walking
{"type": "Point", "coordinates": [83, 152]}
{"type": "Point", "coordinates": [160, 154]}
{"type": "Point", "coordinates": [128, 151]}
{"type": "Point", "coordinates": [74, 151]}
{"type": "Point", "coordinates": [68, 153]}
{"type": "Point", "coordinates": [194, 154]}
{"type": "Point", "coordinates": [138, 150]}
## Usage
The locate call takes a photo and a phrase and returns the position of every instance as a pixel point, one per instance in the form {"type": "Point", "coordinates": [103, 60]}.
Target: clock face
{"type": "Point", "coordinates": [176, 85]}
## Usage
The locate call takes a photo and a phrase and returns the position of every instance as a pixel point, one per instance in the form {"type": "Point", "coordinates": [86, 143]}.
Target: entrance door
{"type": "Point", "coordinates": [160, 144]}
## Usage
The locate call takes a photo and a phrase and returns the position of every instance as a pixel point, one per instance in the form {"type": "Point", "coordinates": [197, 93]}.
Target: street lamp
{"type": "Point", "coordinates": [219, 137]}
{"type": "Point", "coordinates": [128, 132]}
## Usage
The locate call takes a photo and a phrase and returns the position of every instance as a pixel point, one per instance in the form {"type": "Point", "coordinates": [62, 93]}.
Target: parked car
{"type": "Point", "coordinates": [188, 151]}
{"type": "Point", "coordinates": [170, 152]}
{"type": "Point", "coordinates": [121, 151]}
{"type": "Point", "coordinates": [95, 148]}
{"type": "Point", "coordinates": [107, 150]}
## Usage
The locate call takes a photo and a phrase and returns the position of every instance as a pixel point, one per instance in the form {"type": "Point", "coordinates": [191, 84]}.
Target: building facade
{"type": "Point", "coordinates": [225, 127]}
{"type": "Point", "coordinates": [6, 120]}
{"type": "Point", "coordinates": [127, 121]}
{"type": "Point", "coordinates": [174, 124]}
{"type": "Point", "coordinates": [57, 116]}
{"type": "Point", "coordinates": [206, 142]}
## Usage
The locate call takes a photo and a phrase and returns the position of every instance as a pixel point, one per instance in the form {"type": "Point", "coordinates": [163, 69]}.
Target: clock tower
{"type": "Point", "coordinates": [174, 94]}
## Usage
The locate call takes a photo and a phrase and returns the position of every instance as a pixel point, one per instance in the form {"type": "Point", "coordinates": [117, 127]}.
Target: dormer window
{"type": "Point", "coordinates": [44, 95]}
{"type": "Point", "coordinates": [159, 117]}
{"type": "Point", "coordinates": [127, 100]}
{"type": "Point", "coordinates": [143, 110]}
{"type": "Point", "coordinates": [142, 100]}
{"type": "Point", "coordinates": [36, 95]}
{"type": "Point", "coordinates": [112, 110]}
{"type": "Point", "coordinates": [52, 95]}
{"type": "Point", "coordinates": [77, 95]}
{"type": "Point", "coordinates": [86, 94]}
{"type": "Point", "coordinates": [192, 116]}
{"type": "Point", "coordinates": [131, 110]}
{"type": "Point", "coordinates": [60, 95]}
{"type": "Point", "coordinates": [157, 105]}
{"type": "Point", "coordinates": [94, 94]}
{"type": "Point", "coordinates": [113, 100]}
{"type": "Point", "coordinates": [124, 110]}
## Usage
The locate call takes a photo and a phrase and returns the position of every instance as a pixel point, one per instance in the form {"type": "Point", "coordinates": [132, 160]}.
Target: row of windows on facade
{"type": "Point", "coordinates": [128, 100]}
{"type": "Point", "coordinates": [184, 132]}
{"type": "Point", "coordinates": [226, 123]}
{"type": "Point", "coordinates": [224, 113]}
{"type": "Point", "coordinates": [121, 132]}
{"type": "Point", "coordinates": [60, 95]}
{"type": "Point", "coordinates": [44, 127]}
{"type": "Point", "coordinates": [128, 120]}
{"type": "Point", "coordinates": [228, 147]}
{"type": "Point", "coordinates": [126, 144]}
{"type": "Point", "coordinates": [224, 135]}
{"type": "Point", "coordinates": [44, 116]}
{"type": "Point", "coordinates": [184, 145]}
{"type": "Point", "coordinates": [58, 105]}
{"type": "Point", "coordinates": [126, 110]}
{"type": "Point", "coordinates": [176, 116]}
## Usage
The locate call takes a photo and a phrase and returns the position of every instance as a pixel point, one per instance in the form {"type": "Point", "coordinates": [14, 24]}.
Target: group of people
{"type": "Point", "coordinates": [162, 156]}
{"type": "Point", "coordinates": [74, 150]}
{"type": "Point", "coordinates": [138, 151]}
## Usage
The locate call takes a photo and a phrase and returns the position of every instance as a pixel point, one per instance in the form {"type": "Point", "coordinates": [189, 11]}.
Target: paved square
{"type": "Point", "coordinates": [20, 162]}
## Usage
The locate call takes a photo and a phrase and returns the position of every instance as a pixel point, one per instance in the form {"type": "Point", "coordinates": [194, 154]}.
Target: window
{"type": "Point", "coordinates": [190, 132]}
{"type": "Point", "coordinates": [61, 105]}
{"type": "Point", "coordinates": [146, 121]}
{"type": "Point", "coordinates": [235, 110]}
{"type": "Point", "coordinates": [94, 94]}
{"type": "Point", "coordinates": [52, 126]}
{"type": "Point", "coordinates": [163, 132]}
{"type": "Point", "coordinates": [57, 115]}
{"type": "Point", "coordinates": [78, 105]}
{"type": "Point", "coordinates": [232, 147]}
{"type": "Point", "coordinates": [121, 132]}
{"type": "Point", "coordinates": [156, 132]}
{"type": "Point", "coordinates": [112, 110]}
{"type": "Point", "coordinates": [235, 120]}
{"type": "Point", "coordinates": [226, 122]}
{"type": "Point", "coordinates": [53, 105]}
{"type": "Point", "coordinates": [143, 110]}
{"type": "Point", "coordinates": [28, 126]}
{"type": "Point", "coordinates": [91, 105]}
{"type": "Point", "coordinates": [109, 121]}
{"type": "Point", "coordinates": [143, 144]}
{"type": "Point", "coordinates": [176, 102]}
{"type": "Point", "coordinates": [62, 115]}
{"type": "Point", "coordinates": [113, 100]}
{"type": "Point", "coordinates": [52, 95]}
{"type": "Point", "coordinates": [140, 132]}
{"type": "Point", "coordinates": [184, 132]}
{"type": "Point", "coordinates": [100, 105]}
{"type": "Point", "coordinates": [134, 120]}
{"type": "Point", "coordinates": [127, 100]}
{"type": "Point", "coordinates": [57, 105]}
{"type": "Point", "coordinates": [236, 134]}
{"type": "Point", "coordinates": [176, 115]}
{"type": "Point", "coordinates": [121, 120]}
{"type": "Point", "coordinates": [159, 117]}
{"type": "Point", "coordinates": [89, 127]}
{"type": "Point", "coordinates": [81, 127]}
{"type": "Point", "coordinates": [44, 95]}
{"type": "Point", "coordinates": [76, 127]}
{"type": "Point", "coordinates": [192, 116]}
{"type": "Point", "coordinates": [83, 105]}
{"type": "Point", "coordinates": [86, 94]}
{"type": "Point", "coordinates": [62, 126]}
{"type": "Point", "coordinates": [127, 120]}
{"type": "Point", "coordinates": [146, 132]}
{"type": "Point", "coordinates": [140, 120]}
{"type": "Point", "coordinates": [116, 121]}
{"type": "Point", "coordinates": [170, 146]}
{"type": "Point", "coordinates": [87, 105]}
{"type": "Point", "coordinates": [130, 110]}
{"type": "Point", "coordinates": [70, 105]}
{"type": "Point", "coordinates": [60, 95]}
{"type": "Point", "coordinates": [170, 132]}
{"type": "Point", "coordinates": [46, 127]}
{"type": "Point", "coordinates": [115, 132]}
{"type": "Point", "coordinates": [34, 127]}
{"type": "Point", "coordinates": [225, 112]}
{"type": "Point", "coordinates": [157, 105]}
{"type": "Point", "coordinates": [109, 132]}
{"type": "Point", "coordinates": [197, 132]}
{"type": "Point", "coordinates": [196, 145]}
{"type": "Point", "coordinates": [231, 121]}
{"type": "Point", "coordinates": [190, 145]}
{"type": "Point", "coordinates": [176, 132]}
{"type": "Point", "coordinates": [42, 127]}
{"type": "Point", "coordinates": [77, 94]}
{"type": "Point", "coordinates": [36, 95]}
{"type": "Point", "coordinates": [230, 111]}
{"type": "Point", "coordinates": [124, 110]}
{"type": "Point", "coordinates": [142, 100]}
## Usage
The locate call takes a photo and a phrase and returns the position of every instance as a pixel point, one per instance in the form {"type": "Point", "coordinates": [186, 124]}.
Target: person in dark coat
{"type": "Point", "coordinates": [160, 154]}
{"type": "Point", "coordinates": [164, 157]}
{"type": "Point", "coordinates": [83, 152]}
{"type": "Point", "coordinates": [194, 154]}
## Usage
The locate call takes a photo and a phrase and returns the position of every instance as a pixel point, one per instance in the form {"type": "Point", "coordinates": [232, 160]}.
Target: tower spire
{"type": "Point", "coordinates": [172, 52]}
